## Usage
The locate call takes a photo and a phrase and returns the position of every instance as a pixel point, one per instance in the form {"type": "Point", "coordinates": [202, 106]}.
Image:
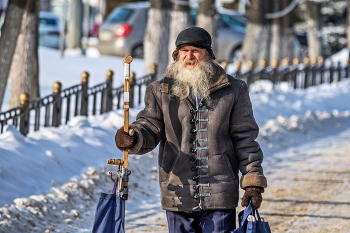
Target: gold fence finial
{"type": "Point", "coordinates": [85, 77]}
{"type": "Point", "coordinates": [57, 86]}
{"type": "Point", "coordinates": [24, 99]}
{"type": "Point", "coordinates": [109, 75]}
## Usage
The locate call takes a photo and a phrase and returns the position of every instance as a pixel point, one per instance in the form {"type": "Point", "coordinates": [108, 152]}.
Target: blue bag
{"type": "Point", "coordinates": [109, 213]}
{"type": "Point", "coordinates": [251, 222]}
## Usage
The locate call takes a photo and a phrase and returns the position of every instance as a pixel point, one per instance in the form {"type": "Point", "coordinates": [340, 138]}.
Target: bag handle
{"type": "Point", "coordinates": [115, 186]}
{"type": "Point", "coordinates": [247, 211]}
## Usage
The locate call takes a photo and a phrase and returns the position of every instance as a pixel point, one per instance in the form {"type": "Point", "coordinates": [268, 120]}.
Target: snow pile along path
{"type": "Point", "coordinates": [70, 207]}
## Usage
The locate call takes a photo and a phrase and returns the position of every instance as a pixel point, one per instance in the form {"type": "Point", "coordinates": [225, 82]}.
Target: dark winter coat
{"type": "Point", "coordinates": [201, 150]}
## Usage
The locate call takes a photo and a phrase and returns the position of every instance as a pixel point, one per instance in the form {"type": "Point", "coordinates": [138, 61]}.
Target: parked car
{"type": "Point", "coordinates": [123, 31]}
{"type": "Point", "coordinates": [49, 30]}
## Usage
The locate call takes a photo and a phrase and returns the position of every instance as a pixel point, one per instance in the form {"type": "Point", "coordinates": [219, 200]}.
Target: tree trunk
{"type": "Point", "coordinates": [256, 45]}
{"type": "Point", "coordinates": [275, 45]}
{"type": "Point", "coordinates": [8, 40]}
{"type": "Point", "coordinates": [288, 39]}
{"type": "Point", "coordinates": [157, 36]}
{"type": "Point", "coordinates": [207, 18]}
{"type": "Point", "coordinates": [75, 24]}
{"type": "Point", "coordinates": [283, 39]}
{"type": "Point", "coordinates": [24, 75]}
{"type": "Point", "coordinates": [314, 31]}
{"type": "Point", "coordinates": [180, 20]}
{"type": "Point", "coordinates": [348, 28]}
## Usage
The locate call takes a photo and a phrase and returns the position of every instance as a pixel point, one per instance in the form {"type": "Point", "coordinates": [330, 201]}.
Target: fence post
{"type": "Point", "coordinates": [285, 68]}
{"type": "Point", "coordinates": [238, 65]}
{"type": "Point", "coordinates": [57, 104]}
{"type": "Point", "coordinates": [262, 73]}
{"type": "Point", "coordinates": [331, 72]}
{"type": "Point", "coordinates": [313, 71]}
{"type": "Point", "coordinates": [295, 72]}
{"type": "Point", "coordinates": [224, 65]}
{"type": "Point", "coordinates": [306, 71]}
{"type": "Point", "coordinates": [339, 69]}
{"type": "Point", "coordinates": [84, 98]}
{"type": "Point", "coordinates": [108, 95]}
{"type": "Point", "coordinates": [274, 77]}
{"type": "Point", "coordinates": [154, 70]}
{"type": "Point", "coordinates": [24, 120]}
{"type": "Point", "coordinates": [321, 69]}
{"type": "Point", "coordinates": [250, 77]}
{"type": "Point", "coordinates": [132, 89]}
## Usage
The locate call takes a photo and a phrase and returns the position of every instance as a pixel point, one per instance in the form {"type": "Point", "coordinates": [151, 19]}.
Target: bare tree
{"type": "Point", "coordinates": [288, 38]}
{"type": "Point", "coordinates": [180, 20]}
{"type": "Point", "coordinates": [256, 45]}
{"type": "Point", "coordinates": [348, 28]}
{"type": "Point", "coordinates": [24, 75]}
{"type": "Point", "coordinates": [157, 35]}
{"type": "Point", "coordinates": [282, 33]}
{"type": "Point", "coordinates": [207, 18]}
{"type": "Point", "coordinates": [8, 40]}
{"type": "Point", "coordinates": [75, 25]}
{"type": "Point", "coordinates": [314, 31]}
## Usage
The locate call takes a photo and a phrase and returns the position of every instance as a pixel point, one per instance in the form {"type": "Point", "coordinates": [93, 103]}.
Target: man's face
{"type": "Point", "coordinates": [190, 56]}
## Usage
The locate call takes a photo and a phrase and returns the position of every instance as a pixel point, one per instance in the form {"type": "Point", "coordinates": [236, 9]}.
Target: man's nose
{"type": "Point", "coordinates": [190, 54]}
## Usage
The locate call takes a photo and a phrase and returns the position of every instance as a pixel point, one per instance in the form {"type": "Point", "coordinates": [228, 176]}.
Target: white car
{"type": "Point", "coordinates": [49, 30]}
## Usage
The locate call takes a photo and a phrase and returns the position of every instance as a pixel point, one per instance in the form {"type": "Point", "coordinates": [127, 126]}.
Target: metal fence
{"type": "Point", "coordinates": [58, 108]}
{"type": "Point", "coordinates": [299, 75]}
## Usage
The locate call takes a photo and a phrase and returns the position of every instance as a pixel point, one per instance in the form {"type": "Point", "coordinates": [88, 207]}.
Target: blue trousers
{"type": "Point", "coordinates": [205, 221]}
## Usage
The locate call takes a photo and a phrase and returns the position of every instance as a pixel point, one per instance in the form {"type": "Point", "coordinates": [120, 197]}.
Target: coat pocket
{"type": "Point", "coordinates": [220, 167]}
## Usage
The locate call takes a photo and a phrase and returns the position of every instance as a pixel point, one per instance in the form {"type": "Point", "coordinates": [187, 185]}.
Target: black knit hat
{"type": "Point", "coordinates": [197, 37]}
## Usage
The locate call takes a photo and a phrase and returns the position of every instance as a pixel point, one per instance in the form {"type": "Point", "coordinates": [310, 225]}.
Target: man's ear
{"type": "Point", "coordinates": [175, 55]}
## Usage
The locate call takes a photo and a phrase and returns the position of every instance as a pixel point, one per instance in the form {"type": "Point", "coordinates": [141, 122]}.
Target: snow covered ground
{"type": "Point", "coordinates": [50, 180]}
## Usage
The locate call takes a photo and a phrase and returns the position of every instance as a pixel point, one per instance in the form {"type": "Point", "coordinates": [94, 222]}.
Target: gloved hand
{"type": "Point", "coordinates": [253, 193]}
{"type": "Point", "coordinates": [124, 140]}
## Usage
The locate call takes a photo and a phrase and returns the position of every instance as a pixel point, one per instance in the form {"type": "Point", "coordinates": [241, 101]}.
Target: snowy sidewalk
{"type": "Point", "coordinates": [310, 192]}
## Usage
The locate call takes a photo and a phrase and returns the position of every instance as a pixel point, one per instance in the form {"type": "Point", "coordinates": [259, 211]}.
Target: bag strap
{"type": "Point", "coordinates": [256, 213]}
{"type": "Point", "coordinates": [115, 186]}
{"type": "Point", "coordinates": [247, 211]}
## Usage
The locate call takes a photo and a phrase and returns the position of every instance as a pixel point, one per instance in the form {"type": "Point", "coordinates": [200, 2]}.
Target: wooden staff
{"type": "Point", "coordinates": [126, 63]}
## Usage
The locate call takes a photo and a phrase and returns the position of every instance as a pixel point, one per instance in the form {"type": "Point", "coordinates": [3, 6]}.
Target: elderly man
{"type": "Point", "coordinates": [203, 121]}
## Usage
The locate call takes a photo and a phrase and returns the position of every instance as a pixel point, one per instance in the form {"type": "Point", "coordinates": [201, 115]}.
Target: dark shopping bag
{"type": "Point", "coordinates": [251, 222]}
{"type": "Point", "coordinates": [109, 214]}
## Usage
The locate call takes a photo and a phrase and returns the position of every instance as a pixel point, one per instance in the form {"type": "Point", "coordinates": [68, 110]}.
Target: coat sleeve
{"type": "Point", "coordinates": [244, 131]}
{"type": "Point", "coordinates": [149, 124]}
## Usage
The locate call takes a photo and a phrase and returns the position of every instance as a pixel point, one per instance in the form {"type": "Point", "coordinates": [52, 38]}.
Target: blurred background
{"type": "Point", "coordinates": [244, 32]}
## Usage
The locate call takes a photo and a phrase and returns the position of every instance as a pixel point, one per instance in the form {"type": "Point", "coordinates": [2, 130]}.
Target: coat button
{"type": "Point", "coordinates": [201, 104]}
{"type": "Point", "coordinates": [192, 140]}
{"type": "Point", "coordinates": [193, 150]}
{"type": "Point", "coordinates": [194, 187]}
{"type": "Point", "coordinates": [193, 160]}
{"type": "Point", "coordinates": [192, 111]}
{"type": "Point", "coordinates": [193, 131]}
{"type": "Point", "coordinates": [193, 168]}
{"type": "Point", "coordinates": [194, 177]}
{"type": "Point", "coordinates": [193, 121]}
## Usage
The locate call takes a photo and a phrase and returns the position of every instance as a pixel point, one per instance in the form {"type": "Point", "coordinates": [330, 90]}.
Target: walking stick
{"type": "Point", "coordinates": [123, 171]}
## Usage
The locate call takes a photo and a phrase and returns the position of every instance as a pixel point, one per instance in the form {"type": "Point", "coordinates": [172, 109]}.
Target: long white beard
{"type": "Point", "coordinates": [196, 80]}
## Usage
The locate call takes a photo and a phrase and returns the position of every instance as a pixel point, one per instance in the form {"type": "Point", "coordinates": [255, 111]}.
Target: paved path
{"type": "Point", "coordinates": [309, 190]}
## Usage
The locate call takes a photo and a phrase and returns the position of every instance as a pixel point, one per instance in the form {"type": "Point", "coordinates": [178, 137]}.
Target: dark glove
{"type": "Point", "coordinates": [124, 140]}
{"type": "Point", "coordinates": [253, 193]}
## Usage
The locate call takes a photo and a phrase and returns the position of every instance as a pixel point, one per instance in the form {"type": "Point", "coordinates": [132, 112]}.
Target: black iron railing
{"type": "Point", "coordinates": [52, 110]}
{"type": "Point", "coordinates": [298, 75]}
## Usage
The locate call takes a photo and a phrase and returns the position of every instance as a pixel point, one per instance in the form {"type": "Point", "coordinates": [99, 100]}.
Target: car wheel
{"type": "Point", "coordinates": [236, 55]}
{"type": "Point", "coordinates": [137, 52]}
